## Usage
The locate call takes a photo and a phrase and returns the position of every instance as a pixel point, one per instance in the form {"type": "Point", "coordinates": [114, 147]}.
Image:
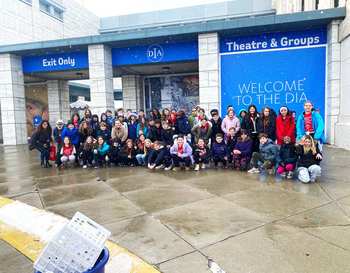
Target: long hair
{"type": "Point", "coordinates": [85, 112]}
{"type": "Point", "coordinates": [244, 132]}
{"type": "Point", "coordinates": [75, 114]}
{"type": "Point", "coordinates": [39, 128]}
{"type": "Point", "coordinates": [92, 145]}
{"type": "Point", "coordinates": [289, 113]}
{"type": "Point", "coordinates": [264, 118]}
{"type": "Point", "coordinates": [291, 150]}
{"type": "Point", "coordinates": [156, 115]}
{"type": "Point", "coordinates": [98, 144]}
{"type": "Point", "coordinates": [70, 144]}
{"type": "Point", "coordinates": [128, 150]}
{"type": "Point", "coordinates": [145, 150]}
{"type": "Point", "coordinates": [312, 147]}
{"type": "Point", "coordinates": [141, 124]}
{"type": "Point", "coordinates": [139, 141]}
{"type": "Point", "coordinates": [88, 128]}
{"type": "Point", "coordinates": [249, 115]}
{"type": "Point", "coordinates": [164, 117]}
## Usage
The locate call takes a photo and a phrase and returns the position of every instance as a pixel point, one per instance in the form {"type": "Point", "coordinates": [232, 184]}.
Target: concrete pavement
{"type": "Point", "coordinates": [176, 220]}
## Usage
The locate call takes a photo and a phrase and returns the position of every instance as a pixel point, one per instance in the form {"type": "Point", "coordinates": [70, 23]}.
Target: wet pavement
{"type": "Point", "coordinates": [175, 220]}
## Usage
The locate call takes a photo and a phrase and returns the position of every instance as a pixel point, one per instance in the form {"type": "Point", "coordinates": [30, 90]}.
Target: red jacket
{"type": "Point", "coordinates": [286, 129]}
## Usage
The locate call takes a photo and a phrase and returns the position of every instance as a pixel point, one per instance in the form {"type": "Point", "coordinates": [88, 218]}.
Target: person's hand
{"type": "Point", "coordinates": [80, 154]}
{"type": "Point", "coordinates": [45, 145]}
{"type": "Point", "coordinates": [211, 160]}
{"type": "Point", "coordinates": [302, 142]}
{"type": "Point", "coordinates": [56, 165]}
{"type": "Point", "coordinates": [129, 156]}
{"type": "Point", "coordinates": [135, 147]}
{"type": "Point", "coordinates": [318, 156]}
{"type": "Point", "coordinates": [48, 140]}
{"type": "Point", "coordinates": [168, 146]}
{"type": "Point", "coordinates": [173, 128]}
{"type": "Point", "coordinates": [225, 157]}
{"type": "Point", "coordinates": [281, 163]}
{"type": "Point", "coordinates": [200, 154]}
{"type": "Point", "coordinates": [95, 151]}
{"type": "Point", "coordinates": [150, 166]}
{"type": "Point", "coordinates": [107, 158]}
{"type": "Point", "coordinates": [236, 152]}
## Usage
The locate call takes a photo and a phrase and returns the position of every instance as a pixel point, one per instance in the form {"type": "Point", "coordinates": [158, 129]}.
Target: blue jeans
{"type": "Point", "coordinates": [45, 155]}
{"type": "Point", "coordinates": [308, 174]}
{"type": "Point", "coordinates": [141, 158]}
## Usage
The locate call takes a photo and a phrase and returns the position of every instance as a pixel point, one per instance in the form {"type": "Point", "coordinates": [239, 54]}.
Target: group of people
{"type": "Point", "coordinates": [172, 139]}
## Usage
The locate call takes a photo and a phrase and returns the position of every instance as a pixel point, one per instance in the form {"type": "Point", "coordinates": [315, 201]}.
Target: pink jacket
{"type": "Point", "coordinates": [227, 123]}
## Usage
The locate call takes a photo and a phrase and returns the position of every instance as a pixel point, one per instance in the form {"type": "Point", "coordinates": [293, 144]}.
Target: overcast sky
{"type": "Point", "coordinates": [106, 8]}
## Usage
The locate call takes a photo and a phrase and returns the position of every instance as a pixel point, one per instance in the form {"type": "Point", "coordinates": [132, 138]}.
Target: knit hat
{"type": "Point", "coordinates": [59, 122]}
{"type": "Point", "coordinates": [116, 140]}
{"type": "Point", "coordinates": [214, 112]}
{"type": "Point", "coordinates": [88, 116]}
{"type": "Point", "coordinates": [120, 115]}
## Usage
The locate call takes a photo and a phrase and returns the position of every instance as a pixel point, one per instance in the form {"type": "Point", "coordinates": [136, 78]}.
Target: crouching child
{"type": "Point", "coordinates": [219, 152]}
{"type": "Point", "coordinates": [160, 157]}
{"type": "Point", "coordinates": [67, 153]}
{"type": "Point", "coordinates": [287, 158]}
{"type": "Point", "coordinates": [201, 153]}
{"type": "Point", "coordinates": [113, 152]}
{"type": "Point", "coordinates": [100, 152]}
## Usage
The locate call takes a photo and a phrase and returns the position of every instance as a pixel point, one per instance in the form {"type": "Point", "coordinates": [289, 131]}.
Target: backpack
{"type": "Point", "coordinates": [32, 142]}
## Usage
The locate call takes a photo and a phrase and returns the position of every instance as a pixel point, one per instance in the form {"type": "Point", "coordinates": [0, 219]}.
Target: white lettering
{"type": "Point", "coordinates": [229, 45]}
{"type": "Point", "coordinates": [244, 88]}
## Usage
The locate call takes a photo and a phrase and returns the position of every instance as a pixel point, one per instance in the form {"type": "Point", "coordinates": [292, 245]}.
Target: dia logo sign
{"type": "Point", "coordinates": [155, 53]}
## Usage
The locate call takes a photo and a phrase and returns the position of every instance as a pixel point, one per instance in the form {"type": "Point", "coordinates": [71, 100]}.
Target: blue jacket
{"type": "Point", "coordinates": [157, 157]}
{"type": "Point", "coordinates": [287, 154]}
{"type": "Point", "coordinates": [73, 135]}
{"type": "Point", "coordinates": [132, 130]}
{"type": "Point", "coordinates": [269, 150]}
{"type": "Point", "coordinates": [317, 124]}
{"type": "Point", "coordinates": [56, 133]}
{"type": "Point", "coordinates": [103, 150]}
{"type": "Point", "coordinates": [219, 149]}
{"type": "Point", "coordinates": [145, 130]}
{"type": "Point", "coordinates": [184, 125]}
{"type": "Point", "coordinates": [106, 135]}
{"type": "Point", "coordinates": [110, 120]}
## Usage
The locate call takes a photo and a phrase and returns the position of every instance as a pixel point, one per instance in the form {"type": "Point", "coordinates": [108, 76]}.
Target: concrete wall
{"type": "Point", "coordinates": [22, 23]}
{"type": "Point", "coordinates": [291, 6]}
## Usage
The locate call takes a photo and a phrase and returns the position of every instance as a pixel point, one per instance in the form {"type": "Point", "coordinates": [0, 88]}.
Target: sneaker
{"type": "Point", "coordinates": [132, 165]}
{"type": "Point", "coordinates": [216, 167]}
{"type": "Point", "coordinates": [203, 166]}
{"type": "Point", "coordinates": [168, 168]}
{"type": "Point", "coordinates": [97, 166]}
{"type": "Point", "coordinates": [197, 167]}
{"type": "Point", "coordinates": [319, 173]}
{"type": "Point", "coordinates": [187, 168]}
{"type": "Point", "coordinates": [104, 164]}
{"type": "Point", "coordinates": [120, 164]}
{"type": "Point", "coordinates": [160, 167]}
{"type": "Point", "coordinates": [111, 165]}
{"type": "Point", "coordinates": [84, 166]}
{"type": "Point", "coordinates": [272, 170]}
{"type": "Point", "coordinates": [254, 170]}
{"type": "Point", "coordinates": [43, 165]}
{"type": "Point", "coordinates": [89, 165]}
{"type": "Point", "coordinates": [290, 174]}
{"type": "Point", "coordinates": [63, 166]}
{"type": "Point", "coordinates": [225, 166]}
{"type": "Point", "coordinates": [125, 166]}
{"type": "Point", "coordinates": [48, 164]}
{"type": "Point", "coordinates": [176, 169]}
{"type": "Point", "coordinates": [284, 174]}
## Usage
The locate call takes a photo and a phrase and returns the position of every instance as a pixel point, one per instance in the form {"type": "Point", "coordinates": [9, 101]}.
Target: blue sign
{"type": "Point", "coordinates": [36, 121]}
{"type": "Point", "coordinates": [50, 62]}
{"type": "Point", "coordinates": [277, 40]}
{"type": "Point", "coordinates": [274, 78]}
{"type": "Point", "coordinates": [179, 51]}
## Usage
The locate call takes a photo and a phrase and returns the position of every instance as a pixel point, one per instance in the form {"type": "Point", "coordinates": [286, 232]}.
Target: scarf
{"type": "Point", "coordinates": [172, 120]}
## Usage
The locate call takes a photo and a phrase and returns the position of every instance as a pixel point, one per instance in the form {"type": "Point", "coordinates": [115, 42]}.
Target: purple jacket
{"type": "Point", "coordinates": [187, 150]}
{"type": "Point", "coordinates": [244, 147]}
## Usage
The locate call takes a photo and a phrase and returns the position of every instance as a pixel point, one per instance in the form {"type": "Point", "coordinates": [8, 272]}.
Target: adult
{"type": "Point", "coordinates": [230, 121]}
{"type": "Point", "coordinates": [216, 122]}
{"type": "Point", "coordinates": [285, 125]}
{"type": "Point", "coordinates": [202, 130]}
{"type": "Point", "coordinates": [249, 123]}
{"type": "Point", "coordinates": [40, 140]}
{"type": "Point", "coordinates": [119, 131]}
{"type": "Point", "coordinates": [267, 123]}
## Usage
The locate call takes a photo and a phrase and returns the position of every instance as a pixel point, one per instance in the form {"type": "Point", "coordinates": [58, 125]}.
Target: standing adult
{"type": "Point", "coordinates": [41, 141]}
{"type": "Point", "coordinates": [250, 124]}
{"type": "Point", "coordinates": [267, 123]}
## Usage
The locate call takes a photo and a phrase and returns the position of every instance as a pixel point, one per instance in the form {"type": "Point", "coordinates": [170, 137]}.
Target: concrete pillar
{"type": "Point", "coordinates": [101, 79]}
{"type": "Point", "coordinates": [133, 93]}
{"type": "Point", "coordinates": [333, 80]}
{"type": "Point", "coordinates": [58, 96]}
{"type": "Point", "coordinates": [13, 107]}
{"type": "Point", "coordinates": [209, 85]}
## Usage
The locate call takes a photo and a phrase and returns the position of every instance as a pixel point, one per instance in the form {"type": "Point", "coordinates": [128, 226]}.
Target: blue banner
{"type": "Point", "coordinates": [276, 40]}
{"type": "Point", "coordinates": [273, 79]}
{"type": "Point", "coordinates": [36, 121]}
{"type": "Point", "coordinates": [179, 51]}
{"type": "Point", "coordinates": [50, 62]}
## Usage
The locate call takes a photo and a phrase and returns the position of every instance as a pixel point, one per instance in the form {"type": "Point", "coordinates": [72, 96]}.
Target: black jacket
{"type": "Point", "coordinates": [250, 125]}
{"type": "Point", "coordinates": [231, 143]}
{"type": "Point", "coordinates": [122, 154]}
{"type": "Point", "coordinates": [270, 129]}
{"type": "Point", "coordinates": [167, 136]}
{"type": "Point", "coordinates": [155, 134]}
{"type": "Point", "coordinates": [175, 126]}
{"type": "Point", "coordinates": [83, 137]}
{"type": "Point", "coordinates": [216, 128]}
{"type": "Point", "coordinates": [113, 152]}
{"type": "Point", "coordinates": [38, 141]}
{"type": "Point", "coordinates": [308, 159]}
{"type": "Point", "coordinates": [206, 148]}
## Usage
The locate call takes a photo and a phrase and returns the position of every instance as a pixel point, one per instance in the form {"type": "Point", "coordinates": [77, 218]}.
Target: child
{"type": "Point", "coordinates": [132, 126]}
{"type": "Point", "coordinates": [142, 126]}
{"type": "Point", "coordinates": [110, 118]}
{"type": "Point", "coordinates": [267, 155]}
{"type": "Point", "coordinates": [250, 124]}
{"type": "Point", "coordinates": [140, 141]}
{"type": "Point", "coordinates": [160, 157]}
{"type": "Point", "coordinates": [230, 121]}
{"type": "Point", "coordinates": [183, 123]}
{"type": "Point", "coordinates": [309, 156]}
{"type": "Point", "coordinates": [119, 131]}
{"type": "Point", "coordinates": [40, 140]}
{"type": "Point", "coordinates": [100, 152]}
{"type": "Point", "coordinates": [75, 119]}
{"type": "Point", "coordinates": [57, 132]}
{"type": "Point", "coordinates": [201, 153]}
{"type": "Point", "coordinates": [104, 132]}
{"type": "Point", "coordinates": [67, 153]}
{"type": "Point", "coordinates": [141, 113]}
{"type": "Point", "coordinates": [165, 114]}
{"type": "Point", "coordinates": [173, 123]}
{"type": "Point", "coordinates": [219, 152]}
{"type": "Point", "coordinates": [128, 112]}
{"type": "Point", "coordinates": [267, 123]}
{"type": "Point", "coordinates": [231, 141]}
{"type": "Point", "coordinates": [241, 115]}
{"type": "Point", "coordinates": [128, 154]}
{"type": "Point", "coordinates": [155, 133]}
{"type": "Point", "coordinates": [123, 121]}
{"type": "Point", "coordinates": [72, 132]}
{"type": "Point", "coordinates": [84, 131]}
{"type": "Point", "coordinates": [86, 151]}
{"type": "Point", "coordinates": [202, 129]}
{"type": "Point", "coordinates": [201, 114]}
{"type": "Point", "coordinates": [167, 135]}
{"type": "Point", "coordinates": [113, 152]}
{"type": "Point", "coordinates": [287, 158]}
{"type": "Point", "coordinates": [216, 122]}
{"type": "Point", "coordinates": [285, 125]}
{"type": "Point", "coordinates": [242, 154]}
{"type": "Point", "coordinates": [181, 151]}
{"type": "Point", "coordinates": [95, 124]}
{"type": "Point", "coordinates": [146, 151]}
{"type": "Point", "coordinates": [104, 119]}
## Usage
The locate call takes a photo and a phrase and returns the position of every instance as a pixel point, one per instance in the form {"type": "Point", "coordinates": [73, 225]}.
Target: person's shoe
{"type": "Point", "coordinates": [290, 174]}
{"type": "Point", "coordinates": [272, 170]}
{"type": "Point", "coordinates": [43, 165]}
{"type": "Point", "coordinates": [89, 165]}
{"type": "Point", "coordinates": [48, 164]}
{"type": "Point", "coordinates": [125, 166]}
{"type": "Point", "coordinates": [254, 170]}
{"type": "Point", "coordinates": [168, 168]}
{"type": "Point", "coordinates": [176, 169]}
{"type": "Point", "coordinates": [284, 174]}
{"type": "Point", "coordinates": [72, 165]}
{"type": "Point", "coordinates": [120, 164]}
{"type": "Point", "coordinates": [203, 166]}
{"type": "Point", "coordinates": [63, 166]}
{"type": "Point", "coordinates": [216, 167]}
{"type": "Point", "coordinates": [84, 166]}
{"type": "Point", "coordinates": [97, 166]}
{"type": "Point", "coordinates": [104, 164]}
{"type": "Point", "coordinates": [187, 168]}
{"type": "Point", "coordinates": [160, 167]}
{"type": "Point", "coordinates": [225, 166]}
{"type": "Point", "coordinates": [132, 165]}
{"type": "Point", "coordinates": [111, 165]}
{"type": "Point", "coordinates": [197, 167]}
